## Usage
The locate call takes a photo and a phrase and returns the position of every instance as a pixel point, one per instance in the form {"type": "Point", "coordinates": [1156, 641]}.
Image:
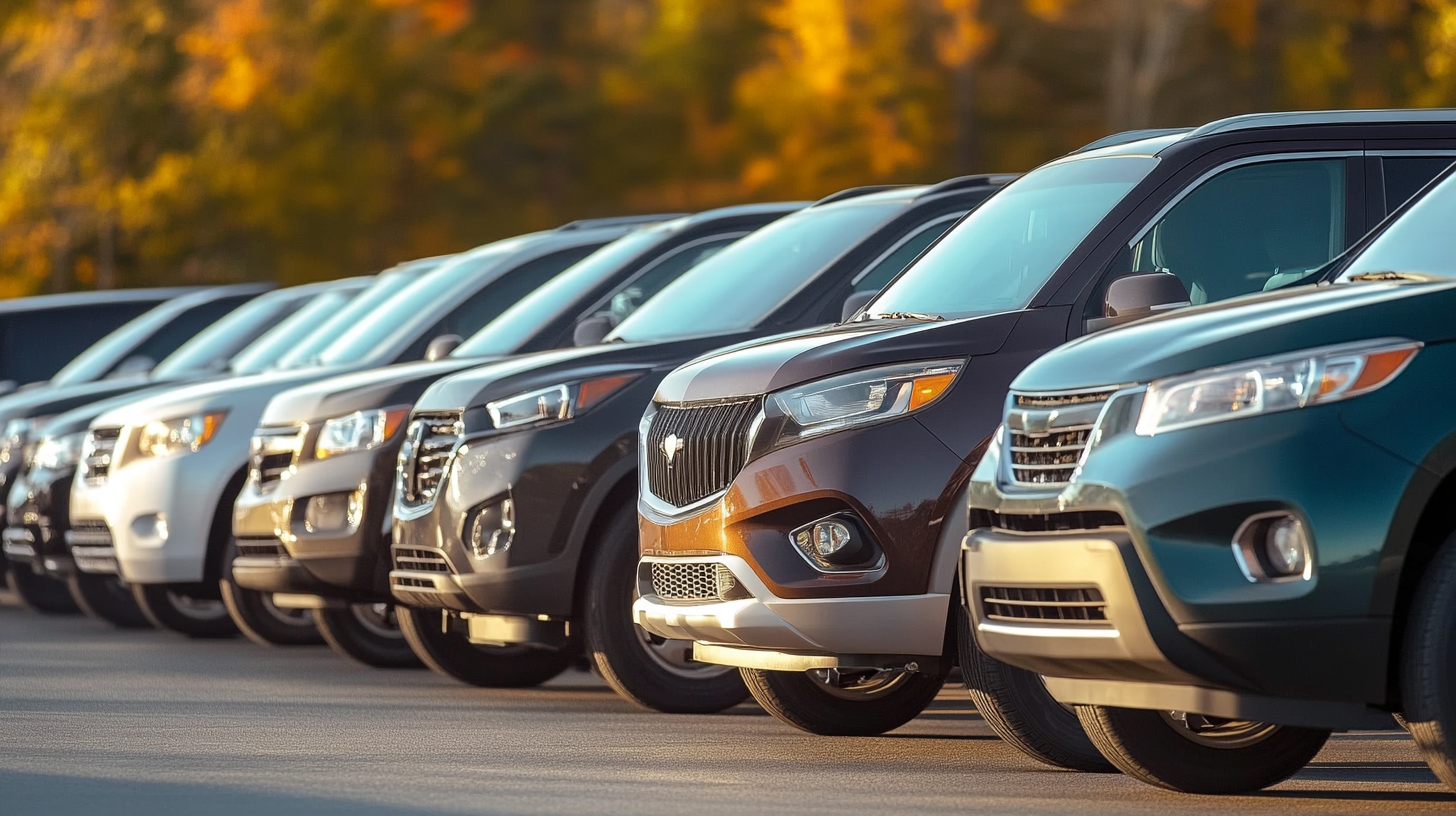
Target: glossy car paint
{"type": "Point", "coordinates": [905, 479]}
{"type": "Point", "coordinates": [568, 477]}
{"type": "Point", "coordinates": [353, 563]}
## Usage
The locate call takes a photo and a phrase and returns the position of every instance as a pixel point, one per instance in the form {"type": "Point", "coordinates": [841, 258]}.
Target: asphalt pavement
{"type": "Point", "coordinates": [99, 721]}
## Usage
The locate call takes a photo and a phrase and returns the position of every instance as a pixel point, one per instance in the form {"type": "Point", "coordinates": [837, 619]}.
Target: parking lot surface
{"type": "Point", "coordinates": [95, 720]}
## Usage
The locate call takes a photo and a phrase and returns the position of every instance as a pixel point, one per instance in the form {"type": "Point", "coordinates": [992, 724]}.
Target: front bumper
{"type": "Point", "coordinates": [349, 561]}
{"type": "Point", "coordinates": [37, 523]}
{"type": "Point", "coordinates": [160, 512]}
{"type": "Point", "coordinates": [1182, 620]}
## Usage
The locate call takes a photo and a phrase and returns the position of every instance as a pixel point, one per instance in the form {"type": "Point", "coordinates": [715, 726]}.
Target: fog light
{"type": "Point", "coordinates": [333, 512]}
{"type": "Point", "coordinates": [835, 544]}
{"type": "Point", "coordinates": [1272, 547]}
{"type": "Point", "coordinates": [493, 528]}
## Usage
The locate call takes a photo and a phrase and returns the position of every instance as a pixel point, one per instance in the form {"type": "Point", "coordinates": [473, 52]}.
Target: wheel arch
{"type": "Point", "coordinates": [616, 488]}
{"type": "Point", "coordinates": [220, 531]}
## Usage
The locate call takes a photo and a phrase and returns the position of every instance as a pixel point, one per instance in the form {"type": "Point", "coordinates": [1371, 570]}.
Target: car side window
{"type": "Point", "coordinates": [900, 257]}
{"type": "Point", "coordinates": [626, 300]}
{"type": "Point", "coordinates": [170, 337]}
{"type": "Point", "coordinates": [1405, 175]}
{"type": "Point", "coordinates": [37, 344]}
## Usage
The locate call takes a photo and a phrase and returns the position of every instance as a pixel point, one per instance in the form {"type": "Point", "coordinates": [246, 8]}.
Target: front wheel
{"type": "Point", "coordinates": [1428, 665]}
{"type": "Point", "coordinates": [1198, 754]}
{"type": "Point", "coordinates": [836, 703]}
{"type": "Point", "coordinates": [260, 619]}
{"type": "Point", "coordinates": [368, 633]}
{"type": "Point", "coordinates": [452, 654]}
{"type": "Point", "coordinates": [176, 609]}
{"type": "Point", "coordinates": [108, 598]}
{"type": "Point", "coordinates": [651, 671]}
{"type": "Point", "coordinates": [41, 593]}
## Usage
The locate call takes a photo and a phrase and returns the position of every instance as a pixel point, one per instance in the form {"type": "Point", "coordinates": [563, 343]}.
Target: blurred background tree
{"type": "Point", "coordinates": [158, 141]}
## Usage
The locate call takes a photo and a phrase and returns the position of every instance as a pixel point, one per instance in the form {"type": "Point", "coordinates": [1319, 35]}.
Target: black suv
{"type": "Point", "coordinates": [340, 436]}
{"type": "Point", "coordinates": [515, 537]}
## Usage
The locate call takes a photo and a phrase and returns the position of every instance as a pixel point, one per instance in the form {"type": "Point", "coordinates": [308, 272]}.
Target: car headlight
{"type": "Point", "coordinates": [17, 440]}
{"type": "Point", "coordinates": [554, 404]}
{"type": "Point", "coordinates": [1280, 383]}
{"type": "Point", "coordinates": [56, 452]}
{"type": "Point", "coordinates": [862, 397]}
{"type": "Point", "coordinates": [359, 431]}
{"type": "Point", "coordinates": [182, 435]}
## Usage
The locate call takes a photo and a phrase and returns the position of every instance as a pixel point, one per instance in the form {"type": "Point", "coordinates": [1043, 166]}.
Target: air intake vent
{"type": "Point", "coordinates": [1082, 605]}
{"type": "Point", "coordinates": [98, 453]}
{"type": "Point", "coordinates": [1070, 521]}
{"type": "Point", "coordinates": [1046, 434]}
{"type": "Point", "coordinates": [262, 547]}
{"type": "Point", "coordinates": [273, 452]}
{"type": "Point", "coordinates": [431, 439]}
{"type": "Point", "coordinates": [696, 451]}
{"type": "Point", "coordinates": [416, 560]}
{"type": "Point", "coordinates": [693, 582]}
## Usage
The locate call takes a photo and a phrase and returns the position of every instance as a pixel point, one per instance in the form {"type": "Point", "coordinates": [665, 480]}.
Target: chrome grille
{"type": "Point", "coordinates": [98, 453]}
{"type": "Point", "coordinates": [709, 446]}
{"type": "Point", "coordinates": [1080, 605]}
{"type": "Point", "coordinates": [273, 452]}
{"type": "Point", "coordinates": [691, 582]}
{"type": "Point", "coordinates": [417, 560]}
{"type": "Point", "coordinates": [262, 547]}
{"type": "Point", "coordinates": [89, 532]}
{"type": "Point", "coordinates": [100, 560]}
{"type": "Point", "coordinates": [1047, 433]}
{"type": "Point", "coordinates": [431, 440]}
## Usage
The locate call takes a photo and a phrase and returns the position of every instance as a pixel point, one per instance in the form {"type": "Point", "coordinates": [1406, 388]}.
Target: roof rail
{"type": "Point", "coordinates": [1249, 121]}
{"type": "Point", "coordinates": [618, 221]}
{"type": "Point", "coordinates": [968, 182]}
{"type": "Point", "coordinates": [1129, 136]}
{"type": "Point", "coordinates": [856, 192]}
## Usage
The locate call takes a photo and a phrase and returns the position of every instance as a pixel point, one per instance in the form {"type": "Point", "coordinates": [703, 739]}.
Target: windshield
{"type": "Point", "coordinates": [99, 357]}
{"type": "Point", "coordinates": [740, 286]}
{"type": "Point", "coordinates": [423, 300]}
{"type": "Point", "coordinates": [517, 324]}
{"type": "Point", "coordinates": [307, 352]}
{"type": "Point", "coordinates": [263, 353]}
{"type": "Point", "coordinates": [1001, 254]}
{"type": "Point", "coordinates": [211, 348]}
{"type": "Point", "coordinates": [1419, 241]}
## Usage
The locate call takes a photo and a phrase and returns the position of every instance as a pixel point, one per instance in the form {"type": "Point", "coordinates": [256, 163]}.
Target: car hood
{"type": "Point", "coordinates": [247, 394]}
{"type": "Point", "coordinates": [1247, 328]}
{"type": "Point", "coordinates": [492, 381]}
{"type": "Point", "coordinates": [52, 400]}
{"type": "Point", "coordinates": [361, 390]}
{"type": "Point", "coordinates": [790, 359]}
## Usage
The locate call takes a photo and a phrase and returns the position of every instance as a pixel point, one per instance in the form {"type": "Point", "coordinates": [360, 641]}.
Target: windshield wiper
{"type": "Point", "coordinates": [902, 316]}
{"type": "Point", "coordinates": [1390, 275]}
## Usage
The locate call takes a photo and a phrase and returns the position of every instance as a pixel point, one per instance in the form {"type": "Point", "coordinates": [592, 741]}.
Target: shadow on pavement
{"type": "Point", "coordinates": [1368, 772]}
{"type": "Point", "coordinates": [37, 793]}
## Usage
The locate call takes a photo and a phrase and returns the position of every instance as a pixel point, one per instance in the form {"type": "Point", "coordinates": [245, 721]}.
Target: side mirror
{"type": "Point", "coordinates": [136, 364]}
{"type": "Point", "coordinates": [854, 303]}
{"type": "Point", "coordinates": [441, 346]}
{"type": "Point", "coordinates": [1137, 296]}
{"type": "Point", "coordinates": [592, 330]}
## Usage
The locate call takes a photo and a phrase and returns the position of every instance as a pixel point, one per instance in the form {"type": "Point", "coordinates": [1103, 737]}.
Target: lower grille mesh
{"type": "Point", "coordinates": [1082, 605]}
{"type": "Point", "coordinates": [692, 582]}
{"type": "Point", "coordinates": [417, 560]}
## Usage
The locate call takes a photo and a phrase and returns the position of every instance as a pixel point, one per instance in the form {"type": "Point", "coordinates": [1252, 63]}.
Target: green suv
{"type": "Point", "coordinates": [1221, 534]}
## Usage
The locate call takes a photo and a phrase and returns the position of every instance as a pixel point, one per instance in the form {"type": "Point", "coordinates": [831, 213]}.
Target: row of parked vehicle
{"type": "Point", "coordinates": [823, 453]}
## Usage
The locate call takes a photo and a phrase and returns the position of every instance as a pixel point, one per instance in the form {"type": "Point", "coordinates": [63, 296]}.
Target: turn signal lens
{"type": "Point", "coordinates": [924, 390]}
{"type": "Point", "coordinates": [592, 392]}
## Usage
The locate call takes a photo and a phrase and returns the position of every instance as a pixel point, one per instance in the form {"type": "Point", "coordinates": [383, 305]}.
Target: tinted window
{"type": "Point", "coordinates": [1405, 175]}
{"type": "Point", "coordinates": [1421, 240]}
{"type": "Point", "coordinates": [302, 320]}
{"type": "Point", "coordinates": [212, 348]}
{"type": "Point", "coordinates": [189, 323]}
{"type": "Point", "coordinates": [626, 299]}
{"type": "Point", "coordinates": [1000, 255]}
{"type": "Point", "coordinates": [360, 309]}
{"type": "Point", "coordinates": [889, 266]}
{"type": "Point", "coordinates": [497, 296]}
{"type": "Point", "coordinates": [37, 344]}
{"type": "Point", "coordinates": [740, 286]}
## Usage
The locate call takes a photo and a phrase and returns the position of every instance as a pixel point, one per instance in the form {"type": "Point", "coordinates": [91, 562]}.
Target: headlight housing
{"type": "Point", "coordinates": [556, 403]}
{"type": "Point", "coordinates": [182, 435]}
{"type": "Point", "coordinates": [1282, 383]}
{"type": "Point", "coordinates": [57, 452]}
{"type": "Point", "coordinates": [361, 430]}
{"type": "Point", "coordinates": [861, 397]}
{"type": "Point", "coordinates": [17, 438]}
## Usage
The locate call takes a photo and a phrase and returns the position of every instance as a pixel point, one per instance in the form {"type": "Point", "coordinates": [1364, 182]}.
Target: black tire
{"type": "Point", "coordinates": [370, 636]}
{"type": "Point", "coordinates": [884, 702]}
{"type": "Point", "coordinates": [258, 618]}
{"type": "Point", "coordinates": [1428, 665]}
{"type": "Point", "coordinates": [1234, 757]}
{"type": "Point", "coordinates": [1016, 705]}
{"type": "Point", "coordinates": [107, 598]}
{"type": "Point", "coordinates": [451, 654]}
{"type": "Point", "coordinates": [42, 593]}
{"type": "Point", "coordinates": [653, 673]}
{"type": "Point", "coordinates": [171, 607]}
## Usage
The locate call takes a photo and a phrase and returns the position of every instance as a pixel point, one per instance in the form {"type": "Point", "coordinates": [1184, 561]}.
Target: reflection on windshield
{"type": "Point", "coordinates": [209, 349]}
{"type": "Point", "coordinates": [516, 324]}
{"type": "Point", "coordinates": [1420, 241]}
{"type": "Point", "coordinates": [264, 352]}
{"type": "Point", "coordinates": [741, 285]}
{"type": "Point", "coordinates": [306, 353]}
{"type": "Point", "coordinates": [1000, 255]}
